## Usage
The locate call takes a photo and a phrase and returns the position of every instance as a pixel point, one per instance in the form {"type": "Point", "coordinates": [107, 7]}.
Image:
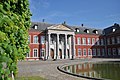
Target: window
{"type": "Point", "coordinates": [42, 52]}
{"type": "Point", "coordinates": [118, 51]}
{"type": "Point", "coordinates": [35, 52]}
{"type": "Point", "coordinates": [114, 30]}
{"type": "Point", "coordinates": [108, 41]}
{"type": "Point", "coordinates": [79, 52]}
{"type": "Point", "coordinates": [84, 52]}
{"type": "Point", "coordinates": [118, 39]}
{"type": "Point", "coordinates": [98, 41]}
{"type": "Point", "coordinates": [113, 40]}
{"type": "Point", "coordinates": [84, 41]}
{"type": "Point", "coordinates": [114, 51]}
{"type": "Point", "coordinates": [88, 31]}
{"type": "Point", "coordinates": [89, 52]}
{"type": "Point", "coordinates": [77, 30]}
{"type": "Point", "coordinates": [98, 52]}
{"type": "Point", "coordinates": [42, 39]}
{"type": "Point", "coordinates": [78, 41]}
{"type": "Point", "coordinates": [93, 41]}
{"type": "Point", "coordinates": [35, 39]}
{"type": "Point", "coordinates": [28, 55]}
{"type": "Point", "coordinates": [88, 41]}
{"type": "Point", "coordinates": [109, 51]}
{"type": "Point", "coordinates": [94, 52]}
{"type": "Point", "coordinates": [29, 38]}
{"type": "Point", "coordinates": [102, 43]}
{"type": "Point", "coordinates": [103, 52]}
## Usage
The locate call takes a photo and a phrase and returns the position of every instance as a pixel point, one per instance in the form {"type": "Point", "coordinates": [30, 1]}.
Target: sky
{"type": "Point", "coordinates": [92, 13]}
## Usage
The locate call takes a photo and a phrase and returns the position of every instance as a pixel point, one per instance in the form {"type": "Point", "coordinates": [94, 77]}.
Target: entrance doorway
{"type": "Point", "coordinates": [60, 53]}
{"type": "Point", "coordinates": [52, 53]}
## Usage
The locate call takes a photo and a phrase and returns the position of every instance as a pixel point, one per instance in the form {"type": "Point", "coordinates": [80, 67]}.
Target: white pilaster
{"type": "Point", "coordinates": [46, 49]}
{"type": "Point", "coordinates": [58, 55]}
{"type": "Point", "coordinates": [54, 50]}
{"type": "Point", "coordinates": [66, 53]}
{"type": "Point", "coordinates": [70, 47]}
{"type": "Point", "coordinates": [49, 46]}
{"type": "Point", "coordinates": [74, 53]}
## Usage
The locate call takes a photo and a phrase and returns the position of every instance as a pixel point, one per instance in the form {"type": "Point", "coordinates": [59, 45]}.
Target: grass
{"type": "Point", "coordinates": [30, 78]}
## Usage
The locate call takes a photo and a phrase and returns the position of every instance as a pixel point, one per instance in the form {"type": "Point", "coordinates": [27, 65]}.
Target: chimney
{"type": "Point", "coordinates": [64, 22]}
{"type": "Point", "coordinates": [43, 20]}
{"type": "Point", "coordinates": [82, 25]}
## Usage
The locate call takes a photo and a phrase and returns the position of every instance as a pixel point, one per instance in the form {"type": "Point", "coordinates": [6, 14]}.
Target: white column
{"type": "Point", "coordinates": [55, 51]}
{"type": "Point", "coordinates": [58, 55]}
{"type": "Point", "coordinates": [46, 48]}
{"type": "Point", "coordinates": [49, 46]}
{"type": "Point", "coordinates": [73, 51]}
{"type": "Point", "coordinates": [70, 47]}
{"type": "Point", "coordinates": [66, 54]}
{"type": "Point", "coordinates": [63, 53]}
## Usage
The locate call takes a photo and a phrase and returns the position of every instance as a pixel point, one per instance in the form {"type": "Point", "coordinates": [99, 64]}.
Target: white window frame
{"type": "Point", "coordinates": [98, 41]}
{"type": "Point", "coordinates": [34, 39]}
{"type": "Point", "coordinates": [37, 52]}
{"type": "Point", "coordinates": [41, 39]}
{"type": "Point", "coordinates": [28, 55]}
{"type": "Point", "coordinates": [84, 41]}
{"type": "Point", "coordinates": [89, 41]}
{"type": "Point", "coordinates": [108, 41]}
{"type": "Point", "coordinates": [109, 51]}
{"type": "Point", "coordinates": [103, 52]}
{"type": "Point", "coordinates": [113, 40]}
{"type": "Point", "coordinates": [93, 41]}
{"type": "Point", "coordinates": [42, 52]}
{"type": "Point", "coordinates": [102, 42]}
{"type": "Point", "coordinates": [79, 52]}
{"type": "Point", "coordinates": [118, 39]}
{"type": "Point", "coordinates": [29, 38]}
{"type": "Point", "coordinates": [78, 40]}
{"type": "Point", "coordinates": [89, 52]}
{"type": "Point", "coordinates": [94, 52]}
{"type": "Point", "coordinates": [98, 52]}
{"type": "Point", "coordinates": [114, 51]}
{"type": "Point", "coordinates": [84, 52]}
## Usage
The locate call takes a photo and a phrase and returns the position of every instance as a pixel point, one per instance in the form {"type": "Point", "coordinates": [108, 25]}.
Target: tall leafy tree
{"type": "Point", "coordinates": [14, 25]}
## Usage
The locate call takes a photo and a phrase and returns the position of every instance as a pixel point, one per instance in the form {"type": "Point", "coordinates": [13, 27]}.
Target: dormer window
{"type": "Point", "coordinates": [114, 30]}
{"type": "Point", "coordinates": [77, 30]}
{"type": "Point", "coordinates": [35, 26]}
{"type": "Point", "coordinates": [87, 31]}
{"type": "Point", "coordinates": [95, 31]}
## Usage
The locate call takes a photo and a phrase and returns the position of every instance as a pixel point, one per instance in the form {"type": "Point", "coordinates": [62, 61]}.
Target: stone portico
{"type": "Point", "coordinates": [59, 42]}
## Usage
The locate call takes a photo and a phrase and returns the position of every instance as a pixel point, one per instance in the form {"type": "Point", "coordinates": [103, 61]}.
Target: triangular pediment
{"type": "Point", "coordinates": [59, 27]}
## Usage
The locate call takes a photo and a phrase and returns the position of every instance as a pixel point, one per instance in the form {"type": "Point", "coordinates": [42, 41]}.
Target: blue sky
{"type": "Point", "coordinates": [91, 13]}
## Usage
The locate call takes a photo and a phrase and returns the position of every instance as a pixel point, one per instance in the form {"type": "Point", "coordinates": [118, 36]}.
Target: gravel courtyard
{"type": "Point", "coordinates": [48, 69]}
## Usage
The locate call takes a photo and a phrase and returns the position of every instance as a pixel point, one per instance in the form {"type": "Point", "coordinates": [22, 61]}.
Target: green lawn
{"type": "Point", "coordinates": [30, 78]}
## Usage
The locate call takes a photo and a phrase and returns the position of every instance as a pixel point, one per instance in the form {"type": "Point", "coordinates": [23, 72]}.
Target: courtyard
{"type": "Point", "coordinates": [48, 69]}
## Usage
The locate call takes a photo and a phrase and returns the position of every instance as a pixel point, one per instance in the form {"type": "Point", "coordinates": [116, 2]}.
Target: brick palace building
{"type": "Point", "coordinates": [61, 41]}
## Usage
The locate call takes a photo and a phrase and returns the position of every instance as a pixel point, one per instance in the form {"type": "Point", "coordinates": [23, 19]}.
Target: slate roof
{"type": "Point", "coordinates": [42, 26]}
{"type": "Point", "coordinates": [82, 30]}
{"type": "Point", "coordinates": [109, 30]}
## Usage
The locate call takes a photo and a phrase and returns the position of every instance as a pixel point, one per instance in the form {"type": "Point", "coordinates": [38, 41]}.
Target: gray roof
{"type": "Point", "coordinates": [82, 30]}
{"type": "Point", "coordinates": [109, 30]}
{"type": "Point", "coordinates": [42, 26]}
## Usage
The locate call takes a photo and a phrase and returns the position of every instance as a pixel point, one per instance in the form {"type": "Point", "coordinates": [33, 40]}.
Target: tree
{"type": "Point", "coordinates": [14, 25]}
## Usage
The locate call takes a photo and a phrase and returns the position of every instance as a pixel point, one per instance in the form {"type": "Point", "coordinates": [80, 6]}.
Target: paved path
{"type": "Point", "coordinates": [48, 69]}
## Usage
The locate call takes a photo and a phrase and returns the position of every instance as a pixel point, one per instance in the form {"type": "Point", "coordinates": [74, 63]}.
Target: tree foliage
{"type": "Point", "coordinates": [14, 26]}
